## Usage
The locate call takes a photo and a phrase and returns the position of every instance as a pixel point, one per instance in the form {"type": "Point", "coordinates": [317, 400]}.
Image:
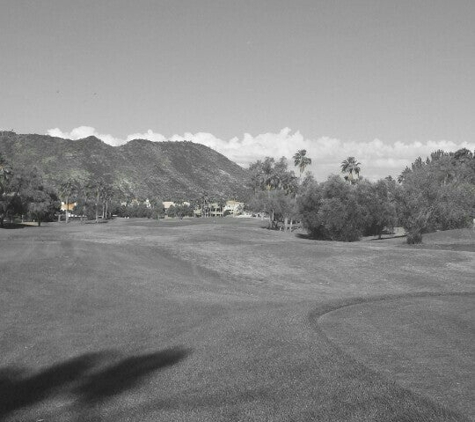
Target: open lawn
{"type": "Point", "coordinates": [222, 320]}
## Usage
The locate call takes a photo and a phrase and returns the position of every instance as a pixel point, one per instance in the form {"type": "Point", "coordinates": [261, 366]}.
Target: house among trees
{"type": "Point", "coordinates": [168, 204]}
{"type": "Point", "coordinates": [233, 207]}
{"type": "Point", "coordinates": [69, 207]}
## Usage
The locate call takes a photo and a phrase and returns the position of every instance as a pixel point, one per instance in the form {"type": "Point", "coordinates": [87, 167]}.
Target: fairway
{"type": "Point", "coordinates": [424, 343]}
{"type": "Point", "coordinates": [223, 320]}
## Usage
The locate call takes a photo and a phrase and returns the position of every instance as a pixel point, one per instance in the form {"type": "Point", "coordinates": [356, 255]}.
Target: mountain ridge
{"type": "Point", "coordinates": [140, 168]}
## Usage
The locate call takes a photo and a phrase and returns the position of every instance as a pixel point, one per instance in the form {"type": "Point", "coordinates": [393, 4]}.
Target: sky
{"type": "Point", "coordinates": [383, 81]}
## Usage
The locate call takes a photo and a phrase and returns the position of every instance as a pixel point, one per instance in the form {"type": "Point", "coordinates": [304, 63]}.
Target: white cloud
{"type": "Point", "coordinates": [378, 159]}
{"type": "Point", "coordinates": [82, 132]}
{"type": "Point", "coordinates": [150, 135]}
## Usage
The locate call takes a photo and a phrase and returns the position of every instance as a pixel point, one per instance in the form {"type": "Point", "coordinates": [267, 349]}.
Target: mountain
{"type": "Point", "coordinates": [140, 168]}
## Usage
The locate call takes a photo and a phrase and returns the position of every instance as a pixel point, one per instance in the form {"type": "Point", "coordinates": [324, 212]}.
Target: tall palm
{"type": "Point", "coordinates": [67, 189]}
{"type": "Point", "coordinates": [301, 160]}
{"type": "Point", "coordinates": [95, 190]}
{"type": "Point", "coordinates": [351, 166]}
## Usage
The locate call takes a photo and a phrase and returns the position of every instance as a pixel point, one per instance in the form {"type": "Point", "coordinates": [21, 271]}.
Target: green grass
{"type": "Point", "coordinates": [220, 319]}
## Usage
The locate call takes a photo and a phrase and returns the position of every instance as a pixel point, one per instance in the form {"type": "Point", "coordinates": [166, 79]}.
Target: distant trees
{"type": "Point", "coordinates": [274, 188]}
{"type": "Point", "coordinates": [24, 192]}
{"type": "Point", "coordinates": [93, 196]}
{"type": "Point", "coordinates": [180, 210]}
{"type": "Point", "coordinates": [10, 187]}
{"type": "Point", "coordinates": [437, 193]}
{"type": "Point", "coordinates": [157, 208]}
{"type": "Point", "coordinates": [39, 199]}
{"type": "Point", "coordinates": [433, 194]}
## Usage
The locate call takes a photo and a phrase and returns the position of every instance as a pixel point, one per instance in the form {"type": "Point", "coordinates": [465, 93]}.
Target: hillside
{"type": "Point", "coordinates": [140, 168]}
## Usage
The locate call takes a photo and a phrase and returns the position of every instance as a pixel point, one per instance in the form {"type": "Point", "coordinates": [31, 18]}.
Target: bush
{"type": "Point", "coordinates": [330, 211]}
{"type": "Point", "coordinates": [414, 237]}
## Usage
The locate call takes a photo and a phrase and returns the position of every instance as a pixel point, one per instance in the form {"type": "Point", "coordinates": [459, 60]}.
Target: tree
{"type": "Point", "coordinates": [39, 199]}
{"type": "Point", "coordinates": [204, 202]}
{"type": "Point", "coordinates": [157, 208]}
{"type": "Point", "coordinates": [437, 194]}
{"type": "Point", "coordinates": [11, 182]}
{"type": "Point", "coordinates": [180, 210]}
{"type": "Point", "coordinates": [351, 166]}
{"type": "Point", "coordinates": [107, 196]}
{"type": "Point", "coordinates": [67, 190]}
{"type": "Point", "coordinates": [221, 204]}
{"type": "Point", "coordinates": [378, 202]}
{"type": "Point", "coordinates": [274, 188]}
{"type": "Point", "coordinates": [23, 190]}
{"type": "Point", "coordinates": [301, 160]}
{"type": "Point", "coordinates": [331, 211]}
{"type": "Point", "coordinates": [97, 190]}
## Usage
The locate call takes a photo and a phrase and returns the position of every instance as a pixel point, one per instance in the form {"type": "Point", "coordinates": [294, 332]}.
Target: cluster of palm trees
{"type": "Point", "coordinates": [98, 190]}
{"type": "Point", "coordinates": [350, 166]}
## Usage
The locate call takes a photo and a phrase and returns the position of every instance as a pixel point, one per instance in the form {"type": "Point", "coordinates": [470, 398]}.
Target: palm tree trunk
{"type": "Point", "coordinates": [97, 207]}
{"type": "Point", "coordinates": [67, 208]}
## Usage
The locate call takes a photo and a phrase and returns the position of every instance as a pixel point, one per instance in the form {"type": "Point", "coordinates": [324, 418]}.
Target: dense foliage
{"type": "Point", "coordinates": [24, 192]}
{"type": "Point", "coordinates": [180, 210]}
{"type": "Point", "coordinates": [338, 210]}
{"type": "Point", "coordinates": [437, 194]}
{"type": "Point", "coordinates": [274, 190]}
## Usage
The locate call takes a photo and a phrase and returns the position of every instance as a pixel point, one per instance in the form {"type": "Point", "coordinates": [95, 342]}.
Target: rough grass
{"type": "Point", "coordinates": [202, 320]}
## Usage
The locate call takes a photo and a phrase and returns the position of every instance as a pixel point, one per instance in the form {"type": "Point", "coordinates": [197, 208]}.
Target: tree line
{"type": "Point", "coordinates": [27, 193]}
{"type": "Point", "coordinates": [435, 194]}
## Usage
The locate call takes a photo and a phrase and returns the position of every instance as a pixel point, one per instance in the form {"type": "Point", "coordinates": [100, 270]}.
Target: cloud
{"type": "Point", "coordinates": [82, 132]}
{"type": "Point", "coordinates": [378, 159]}
{"type": "Point", "coordinates": [150, 135]}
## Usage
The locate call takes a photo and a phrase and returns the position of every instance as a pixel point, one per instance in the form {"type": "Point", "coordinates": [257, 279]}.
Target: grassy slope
{"type": "Point", "coordinates": [217, 320]}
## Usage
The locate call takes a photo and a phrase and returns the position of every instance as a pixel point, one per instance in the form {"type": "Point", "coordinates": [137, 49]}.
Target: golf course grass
{"type": "Point", "coordinates": [223, 320]}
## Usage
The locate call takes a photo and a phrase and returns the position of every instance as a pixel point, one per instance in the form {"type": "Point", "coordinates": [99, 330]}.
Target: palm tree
{"type": "Point", "coordinates": [95, 190]}
{"type": "Point", "coordinates": [67, 189]}
{"type": "Point", "coordinates": [350, 166]}
{"type": "Point", "coordinates": [301, 160]}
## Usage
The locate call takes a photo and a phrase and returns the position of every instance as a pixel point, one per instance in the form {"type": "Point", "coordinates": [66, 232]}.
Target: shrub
{"type": "Point", "coordinates": [330, 210]}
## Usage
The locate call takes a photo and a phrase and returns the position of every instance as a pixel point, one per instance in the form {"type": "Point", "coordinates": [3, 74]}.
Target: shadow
{"type": "Point", "coordinates": [89, 378]}
{"type": "Point", "coordinates": [13, 226]}
{"type": "Point", "coordinates": [126, 374]}
{"type": "Point", "coordinates": [386, 237]}
{"type": "Point", "coordinates": [18, 390]}
{"type": "Point", "coordinates": [305, 236]}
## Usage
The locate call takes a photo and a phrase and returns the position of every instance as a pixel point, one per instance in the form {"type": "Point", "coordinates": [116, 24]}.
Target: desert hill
{"type": "Point", "coordinates": [140, 168]}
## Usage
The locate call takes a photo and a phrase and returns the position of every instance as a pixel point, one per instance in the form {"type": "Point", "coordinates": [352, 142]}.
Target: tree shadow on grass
{"type": "Point", "coordinates": [18, 390]}
{"type": "Point", "coordinates": [125, 374]}
{"type": "Point", "coordinates": [90, 378]}
{"type": "Point", "coordinates": [305, 236]}
{"type": "Point", "coordinates": [13, 226]}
